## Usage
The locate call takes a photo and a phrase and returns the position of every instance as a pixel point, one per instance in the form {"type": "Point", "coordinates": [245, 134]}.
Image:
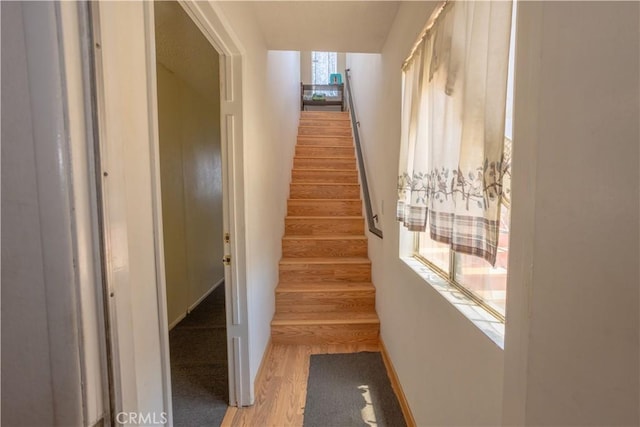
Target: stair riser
{"type": "Point", "coordinates": [303, 207]}
{"type": "Point", "coordinates": [311, 151]}
{"type": "Point", "coordinates": [324, 115]}
{"type": "Point", "coordinates": [318, 141]}
{"type": "Point", "coordinates": [324, 176]}
{"type": "Point", "coordinates": [305, 248]}
{"type": "Point", "coordinates": [323, 191]}
{"type": "Point", "coordinates": [331, 163]}
{"type": "Point", "coordinates": [322, 130]}
{"type": "Point", "coordinates": [325, 334]}
{"type": "Point", "coordinates": [323, 227]}
{"type": "Point", "coordinates": [332, 124]}
{"type": "Point", "coordinates": [298, 302]}
{"type": "Point", "coordinates": [335, 273]}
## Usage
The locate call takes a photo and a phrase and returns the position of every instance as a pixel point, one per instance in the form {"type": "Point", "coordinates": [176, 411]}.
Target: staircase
{"type": "Point", "coordinates": [325, 294]}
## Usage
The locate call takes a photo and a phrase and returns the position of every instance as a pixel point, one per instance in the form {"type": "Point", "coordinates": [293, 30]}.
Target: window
{"type": "Point", "coordinates": [323, 64]}
{"type": "Point", "coordinates": [422, 189]}
{"type": "Point", "coordinates": [484, 283]}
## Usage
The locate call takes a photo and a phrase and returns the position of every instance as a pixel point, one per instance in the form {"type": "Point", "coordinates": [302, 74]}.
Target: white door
{"type": "Point", "coordinates": [131, 206]}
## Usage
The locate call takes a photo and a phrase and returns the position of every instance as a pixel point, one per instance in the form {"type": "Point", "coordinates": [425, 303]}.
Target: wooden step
{"type": "Point", "coordinates": [324, 207]}
{"type": "Point", "coordinates": [323, 225]}
{"type": "Point", "coordinates": [325, 298]}
{"type": "Point", "coordinates": [299, 270]}
{"type": "Point", "coordinates": [330, 123]}
{"type": "Point", "coordinates": [325, 295]}
{"type": "Point", "coordinates": [326, 115]}
{"type": "Point", "coordinates": [325, 328]}
{"type": "Point", "coordinates": [324, 246]}
{"type": "Point", "coordinates": [324, 151]}
{"type": "Point", "coordinates": [320, 140]}
{"type": "Point", "coordinates": [323, 130]}
{"type": "Point", "coordinates": [319, 286]}
{"type": "Point", "coordinates": [346, 176]}
{"type": "Point", "coordinates": [324, 191]}
{"type": "Point", "coordinates": [324, 163]}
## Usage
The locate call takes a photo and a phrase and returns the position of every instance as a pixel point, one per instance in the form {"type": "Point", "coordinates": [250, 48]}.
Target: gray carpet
{"type": "Point", "coordinates": [199, 376]}
{"type": "Point", "coordinates": [350, 390]}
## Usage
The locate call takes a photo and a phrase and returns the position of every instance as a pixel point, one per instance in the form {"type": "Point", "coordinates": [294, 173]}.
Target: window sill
{"type": "Point", "coordinates": [488, 324]}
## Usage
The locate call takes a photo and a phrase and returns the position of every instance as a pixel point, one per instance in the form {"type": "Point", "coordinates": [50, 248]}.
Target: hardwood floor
{"type": "Point", "coordinates": [282, 385]}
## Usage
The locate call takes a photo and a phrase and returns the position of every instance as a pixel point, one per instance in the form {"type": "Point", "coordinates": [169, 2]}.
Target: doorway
{"type": "Point", "coordinates": [123, 67]}
{"type": "Point", "coordinates": [188, 97]}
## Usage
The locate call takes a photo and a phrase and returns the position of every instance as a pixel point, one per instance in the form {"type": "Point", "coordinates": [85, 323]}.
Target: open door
{"type": "Point", "coordinates": [129, 181]}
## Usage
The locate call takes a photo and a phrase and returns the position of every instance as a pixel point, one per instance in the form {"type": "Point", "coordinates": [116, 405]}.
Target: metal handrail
{"type": "Point", "coordinates": [363, 175]}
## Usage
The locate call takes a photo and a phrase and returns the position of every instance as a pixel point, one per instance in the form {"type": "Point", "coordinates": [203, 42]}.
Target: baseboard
{"type": "Point", "coordinates": [206, 294]}
{"type": "Point", "coordinates": [395, 383]}
{"type": "Point", "coordinates": [261, 370]}
{"type": "Point", "coordinates": [178, 320]}
{"type": "Point", "coordinates": [234, 412]}
{"type": "Point", "coordinates": [195, 304]}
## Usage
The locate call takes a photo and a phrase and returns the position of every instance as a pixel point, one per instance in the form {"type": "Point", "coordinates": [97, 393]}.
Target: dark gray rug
{"type": "Point", "coordinates": [350, 390]}
{"type": "Point", "coordinates": [199, 375]}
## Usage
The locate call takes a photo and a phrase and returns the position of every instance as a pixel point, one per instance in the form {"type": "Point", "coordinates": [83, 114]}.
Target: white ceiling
{"type": "Point", "coordinates": [337, 26]}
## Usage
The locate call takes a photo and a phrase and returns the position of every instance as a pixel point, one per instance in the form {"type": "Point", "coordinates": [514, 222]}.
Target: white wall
{"type": "Point", "coordinates": [271, 92]}
{"type": "Point", "coordinates": [450, 371]}
{"type": "Point", "coordinates": [572, 306]}
{"type": "Point", "coordinates": [571, 350]}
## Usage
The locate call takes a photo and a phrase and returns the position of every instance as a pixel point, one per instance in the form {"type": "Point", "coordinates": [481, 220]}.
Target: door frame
{"type": "Point", "coordinates": [130, 31]}
{"type": "Point", "coordinates": [209, 20]}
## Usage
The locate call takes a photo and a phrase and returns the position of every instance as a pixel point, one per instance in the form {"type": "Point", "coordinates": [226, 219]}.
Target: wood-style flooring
{"type": "Point", "coordinates": [282, 385]}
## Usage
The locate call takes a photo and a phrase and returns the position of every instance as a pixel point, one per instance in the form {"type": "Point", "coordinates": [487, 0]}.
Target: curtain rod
{"type": "Point", "coordinates": [423, 34]}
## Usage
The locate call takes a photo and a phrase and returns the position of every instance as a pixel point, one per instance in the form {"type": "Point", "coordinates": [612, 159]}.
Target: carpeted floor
{"type": "Point", "coordinates": [350, 389]}
{"type": "Point", "coordinates": [199, 376]}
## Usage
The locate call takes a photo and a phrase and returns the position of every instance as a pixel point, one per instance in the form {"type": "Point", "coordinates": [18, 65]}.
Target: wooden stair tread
{"type": "Point", "coordinates": [327, 318]}
{"type": "Point", "coordinates": [328, 184]}
{"type": "Point", "coordinates": [324, 158]}
{"type": "Point", "coordinates": [320, 218]}
{"type": "Point", "coordinates": [320, 169]}
{"type": "Point", "coordinates": [325, 116]}
{"type": "Point", "coordinates": [305, 287]}
{"type": "Point", "coordinates": [325, 260]}
{"type": "Point", "coordinates": [321, 125]}
{"type": "Point", "coordinates": [324, 113]}
{"type": "Point", "coordinates": [325, 237]}
{"type": "Point", "coordinates": [325, 146]}
{"type": "Point", "coordinates": [326, 200]}
{"type": "Point", "coordinates": [326, 136]}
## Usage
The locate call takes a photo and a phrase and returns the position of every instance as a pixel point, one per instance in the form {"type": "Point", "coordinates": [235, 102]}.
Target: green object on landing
{"type": "Point", "coordinates": [335, 78]}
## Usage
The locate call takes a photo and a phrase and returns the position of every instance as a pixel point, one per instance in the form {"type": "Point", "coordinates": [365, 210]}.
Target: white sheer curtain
{"type": "Point", "coordinates": [323, 64]}
{"type": "Point", "coordinates": [453, 112]}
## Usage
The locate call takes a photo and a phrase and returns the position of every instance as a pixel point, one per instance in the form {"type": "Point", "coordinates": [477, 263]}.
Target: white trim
{"type": "Point", "coordinates": [74, 38]}
{"type": "Point", "coordinates": [210, 20]}
{"type": "Point", "coordinates": [154, 143]}
{"type": "Point", "coordinates": [117, 352]}
{"type": "Point", "coordinates": [206, 294]}
{"type": "Point", "coordinates": [195, 304]}
{"type": "Point", "coordinates": [178, 320]}
{"type": "Point", "coordinates": [527, 85]}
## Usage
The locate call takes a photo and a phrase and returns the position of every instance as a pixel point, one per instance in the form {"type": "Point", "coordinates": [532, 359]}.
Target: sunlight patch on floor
{"type": "Point", "coordinates": [368, 413]}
